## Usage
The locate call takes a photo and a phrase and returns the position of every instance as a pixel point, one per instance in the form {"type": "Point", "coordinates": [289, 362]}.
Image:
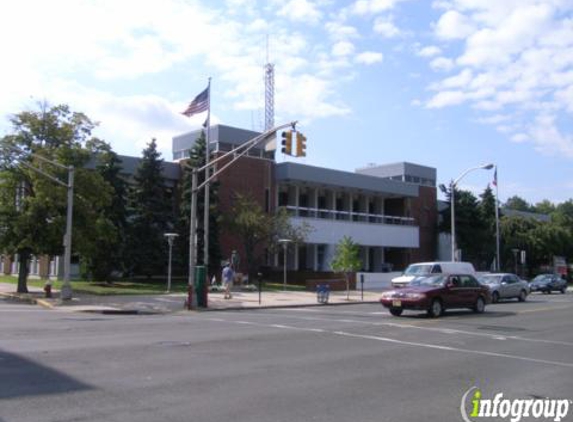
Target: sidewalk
{"type": "Point", "coordinates": [172, 303]}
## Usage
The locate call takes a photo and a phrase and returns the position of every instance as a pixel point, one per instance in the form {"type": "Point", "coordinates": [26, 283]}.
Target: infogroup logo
{"type": "Point", "coordinates": [513, 409]}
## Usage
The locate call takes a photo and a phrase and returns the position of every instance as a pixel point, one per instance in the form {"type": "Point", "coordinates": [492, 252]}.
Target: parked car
{"type": "Point", "coordinates": [424, 269]}
{"type": "Point", "coordinates": [437, 293]}
{"type": "Point", "coordinates": [547, 283]}
{"type": "Point", "coordinates": [505, 286]}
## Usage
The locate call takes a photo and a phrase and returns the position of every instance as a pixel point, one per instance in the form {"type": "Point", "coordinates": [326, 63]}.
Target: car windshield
{"type": "Point", "coordinates": [490, 279]}
{"type": "Point", "coordinates": [418, 269]}
{"type": "Point", "coordinates": [434, 281]}
{"type": "Point", "coordinates": [542, 278]}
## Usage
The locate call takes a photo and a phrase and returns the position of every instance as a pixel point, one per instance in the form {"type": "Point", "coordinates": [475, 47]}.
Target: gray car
{"type": "Point", "coordinates": [505, 286]}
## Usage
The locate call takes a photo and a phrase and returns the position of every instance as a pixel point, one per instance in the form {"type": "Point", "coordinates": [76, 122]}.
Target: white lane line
{"type": "Point", "coordinates": [411, 343]}
{"type": "Point", "coordinates": [450, 331]}
{"type": "Point", "coordinates": [456, 349]}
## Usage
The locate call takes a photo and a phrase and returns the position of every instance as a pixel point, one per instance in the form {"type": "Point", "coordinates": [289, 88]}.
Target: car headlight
{"type": "Point", "coordinates": [415, 295]}
{"type": "Point", "coordinates": [388, 295]}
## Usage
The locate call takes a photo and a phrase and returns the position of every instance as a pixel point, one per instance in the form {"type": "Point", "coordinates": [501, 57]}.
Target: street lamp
{"type": "Point", "coordinates": [285, 243]}
{"type": "Point", "coordinates": [170, 239]}
{"type": "Point", "coordinates": [453, 185]}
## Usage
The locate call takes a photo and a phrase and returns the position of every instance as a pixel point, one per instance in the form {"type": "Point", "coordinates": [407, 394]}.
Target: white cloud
{"type": "Point", "coordinates": [369, 57]}
{"type": "Point", "coordinates": [454, 25]}
{"type": "Point", "coordinates": [367, 7]}
{"type": "Point", "coordinates": [339, 31]}
{"type": "Point", "coordinates": [301, 10]}
{"type": "Point", "coordinates": [385, 27]}
{"type": "Point", "coordinates": [516, 62]}
{"type": "Point", "coordinates": [429, 51]}
{"type": "Point", "coordinates": [342, 48]}
{"type": "Point", "coordinates": [446, 99]}
{"type": "Point", "coordinates": [442, 64]}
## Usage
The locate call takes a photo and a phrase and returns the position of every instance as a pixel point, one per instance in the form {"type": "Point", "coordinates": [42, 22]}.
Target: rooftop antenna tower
{"type": "Point", "coordinates": [269, 92]}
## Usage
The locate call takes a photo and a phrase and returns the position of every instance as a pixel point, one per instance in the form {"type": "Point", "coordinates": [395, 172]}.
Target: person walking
{"type": "Point", "coordinates": [227, 278]}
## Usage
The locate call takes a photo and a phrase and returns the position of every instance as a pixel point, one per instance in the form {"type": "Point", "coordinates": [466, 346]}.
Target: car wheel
{"type": "Point", "coordinates": [396, 311]}
{"type": "Point", "coordinates": [563, 290]}
{"type": "Point", "coordinates": [436, 309]}
{"type": "Point", "coordinates": [522, 296]}
{"type": "Point", "coordinates": [495, 297]}
{"type": "Point", "coordinates": [479, 307]}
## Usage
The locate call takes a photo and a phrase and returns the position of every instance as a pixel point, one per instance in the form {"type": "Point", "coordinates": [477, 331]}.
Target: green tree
{"type": "Point", "coordinates": [197, 160]}
{"type": "Point", "coordinates": [518, 204]}
{"type": "Point", "coordinates": [346, 260]}
{"type": "Point", "coordinates": [487, 236]}
{"type": "Point", "coordinates": [32, 206]}
{"type": "Point", "coordinates": [108, 253]}
{"type": "Point", "coordinates": [152, 215]}
{"type": "Point", "coordinates": [259, 230]}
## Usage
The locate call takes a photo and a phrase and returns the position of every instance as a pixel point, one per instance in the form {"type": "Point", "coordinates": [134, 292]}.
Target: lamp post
{"type": "Point", "coordinates": [453, 185]}
{"type": "Point", "coordinates": [170, 239]}
{"type": "Point", "coordinates": [285, 243]}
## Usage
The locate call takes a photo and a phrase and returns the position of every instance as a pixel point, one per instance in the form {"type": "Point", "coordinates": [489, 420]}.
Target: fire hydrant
{"type": "Point", "coordinates": [48, 288]}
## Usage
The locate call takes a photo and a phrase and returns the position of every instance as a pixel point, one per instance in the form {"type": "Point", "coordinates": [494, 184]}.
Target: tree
{"type": "Point", "coordinates": [197, 160]}
{"type": "Point", "coordinates": [346, 260]}
{"type": "Point", "coordinates": [108, 253]}
{"type": "Point", "coordinates": [256, 228]}
{"type": "Point", "coordinates": [518, 204]}
{"type": "Point", "coordinates": [152, 214]}
{"type": "Point", "coordinates": [486, 209]}
{"type": "Point", "coordinates": [32, 206]}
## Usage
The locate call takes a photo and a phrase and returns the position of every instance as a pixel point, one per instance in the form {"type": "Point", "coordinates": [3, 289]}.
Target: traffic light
{"type": "Point", "coordinates": [286, 142]}
{"type": "Point", "coordinates": [300, 145]}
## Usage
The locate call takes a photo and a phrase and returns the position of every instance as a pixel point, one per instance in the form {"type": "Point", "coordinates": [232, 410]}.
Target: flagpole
{"type": "Point", "coordinates": [497, 257]}
{"type": "Point", "coordinates": [206, 205]}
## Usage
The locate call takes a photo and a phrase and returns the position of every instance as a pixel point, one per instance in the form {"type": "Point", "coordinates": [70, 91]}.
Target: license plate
{"type": "Point", "coordinates": [396, 303]}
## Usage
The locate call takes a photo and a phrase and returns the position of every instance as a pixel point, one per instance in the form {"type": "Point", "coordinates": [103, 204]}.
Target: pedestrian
{"type": "Point", "coordinates": [227, 279]}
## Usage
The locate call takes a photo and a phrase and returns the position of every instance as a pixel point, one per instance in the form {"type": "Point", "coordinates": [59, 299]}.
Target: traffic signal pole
{"type": "Point", "coordinates": [238, 152]}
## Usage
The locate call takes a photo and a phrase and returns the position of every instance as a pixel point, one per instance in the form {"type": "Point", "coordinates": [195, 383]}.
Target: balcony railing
{"type": "Point", "coordinates": [349, 216]}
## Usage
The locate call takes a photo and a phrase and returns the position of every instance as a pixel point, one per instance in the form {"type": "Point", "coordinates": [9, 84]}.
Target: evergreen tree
{"type": "Point", "coordinates": [487, 236]}
{"type": "Point", "coordinates": [152, 215]}
{"type": "Point", "coordinates": [109, 249]}
{"type": "Point", "coordinates": [197, 160]}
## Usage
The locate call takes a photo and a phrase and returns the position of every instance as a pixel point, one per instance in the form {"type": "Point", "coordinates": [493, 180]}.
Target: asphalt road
{"type": "Point", "coordinates": [351, 363]}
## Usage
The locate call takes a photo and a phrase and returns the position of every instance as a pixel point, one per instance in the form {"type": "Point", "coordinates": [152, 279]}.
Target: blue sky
{"type": "Point", "coordinates": [446, 83]}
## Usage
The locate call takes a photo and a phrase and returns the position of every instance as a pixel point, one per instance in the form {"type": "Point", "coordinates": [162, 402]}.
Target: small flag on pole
{"type": "Point", "coordinates": [199, 104]}
{"type": "Point", "coordinates": [495, 177]}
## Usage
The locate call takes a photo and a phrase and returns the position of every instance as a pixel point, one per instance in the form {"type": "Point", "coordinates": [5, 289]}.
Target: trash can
{"type": "Point", "coordinates": [322, 293]}
{"type": "Point", "coordinates": [201, 286]}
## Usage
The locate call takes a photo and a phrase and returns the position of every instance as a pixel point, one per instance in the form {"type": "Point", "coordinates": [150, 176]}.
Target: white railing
{"type": "Point", "coordinates": [349, 216]}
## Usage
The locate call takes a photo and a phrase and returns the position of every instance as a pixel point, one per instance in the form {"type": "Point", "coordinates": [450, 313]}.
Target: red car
{"type": "Point", "coordinates": [435, 294]}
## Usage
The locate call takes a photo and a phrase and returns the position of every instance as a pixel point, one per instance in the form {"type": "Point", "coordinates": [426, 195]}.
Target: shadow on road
{"type": "Point", "coordinates": [23, 377]}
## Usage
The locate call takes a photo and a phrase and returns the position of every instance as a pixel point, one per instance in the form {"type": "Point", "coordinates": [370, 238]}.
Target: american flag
{"type": "Point", "coordinates": [199, 104]}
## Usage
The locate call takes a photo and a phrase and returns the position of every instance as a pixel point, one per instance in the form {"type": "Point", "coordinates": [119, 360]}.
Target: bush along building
{"type": "Point", "coordinates": [389, 210]}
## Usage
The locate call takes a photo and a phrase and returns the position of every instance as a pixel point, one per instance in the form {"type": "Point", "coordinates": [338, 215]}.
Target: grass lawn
{"type": "Point", "coordinates": [153, 287]}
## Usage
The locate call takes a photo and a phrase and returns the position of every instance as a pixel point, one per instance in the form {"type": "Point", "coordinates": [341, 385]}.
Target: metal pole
{"type": "Point", "coordinates": [170, 241]}
{"type": "Point", "coordinates": [206, 210]}
{"type": "Point", "coordinates": [192, 237]}
{"type": "Point", "coordinates": [497, 253]}
{"type": "Point", "coordinates": [453, 222]}
{"type": "Point", "coordinates": [66, 292]}
{"type": "Point", "coordinates": [285, 267]}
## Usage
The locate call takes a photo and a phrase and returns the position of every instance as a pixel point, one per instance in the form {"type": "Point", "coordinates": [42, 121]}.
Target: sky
{"type": "Point", "coordinates": [451, 84]}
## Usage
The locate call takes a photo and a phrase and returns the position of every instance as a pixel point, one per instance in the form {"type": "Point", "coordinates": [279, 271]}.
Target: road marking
{"type": "Point", "coordinates": [410, 343]}
{"type": "Point", "coordinates": [553, 308]}
{"type": "Point", "coordinates": [450, 331]}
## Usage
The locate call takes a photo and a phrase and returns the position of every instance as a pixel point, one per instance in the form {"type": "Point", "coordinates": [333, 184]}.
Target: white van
{"type": "Point", "coordinates": [426, 268]}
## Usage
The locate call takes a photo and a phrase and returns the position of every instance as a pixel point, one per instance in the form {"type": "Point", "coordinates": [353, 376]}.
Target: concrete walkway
{"type": "Point", "coordinates": [170, 303]}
